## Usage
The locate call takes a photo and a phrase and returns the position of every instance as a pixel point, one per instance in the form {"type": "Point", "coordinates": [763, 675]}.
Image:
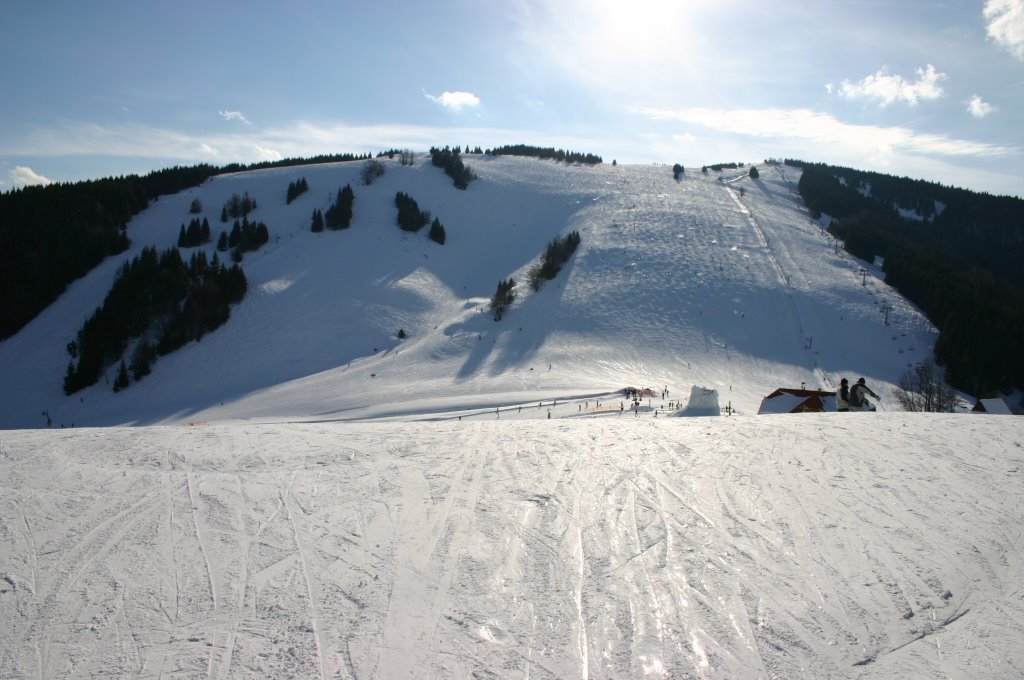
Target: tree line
{"type": "Point", "coordinates": [556, 253]}
{"type": "Point", "coordinates": [545, 153]}
{"type": "Point", "coordinates": [411, 218]}
{"type": "Point", "coordinates": [296, 189]}
{"type": "Point", "coordinates": [451, 161]}
{"type": "Point", "coordinates": [339, 214]}
{"type": "Point", "coordinates": [954, 262]}
{"type": "Point", "coordinates": [196, 234]}
{"type": "Point", "coordinates": [157, 303]}
{"type": "Point", "coordinates": [51, 235]}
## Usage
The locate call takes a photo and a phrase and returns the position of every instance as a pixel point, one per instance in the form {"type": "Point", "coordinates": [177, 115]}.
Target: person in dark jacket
{"type": "Point", "coordinates": [858, 397]}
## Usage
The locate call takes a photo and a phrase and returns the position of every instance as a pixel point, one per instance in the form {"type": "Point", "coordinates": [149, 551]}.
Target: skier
{"type": "Point", "coordinates": [858, 400]}
{"type": "Point", "coordinates": [843, 395]}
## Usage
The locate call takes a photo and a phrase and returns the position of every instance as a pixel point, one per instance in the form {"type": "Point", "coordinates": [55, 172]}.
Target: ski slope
{"type": "Point", "coordinates": [818, 546]}
{"type": "Point", "coordinates": [716, 280]}
{"type": "Point", "coordinates": [305, 495]}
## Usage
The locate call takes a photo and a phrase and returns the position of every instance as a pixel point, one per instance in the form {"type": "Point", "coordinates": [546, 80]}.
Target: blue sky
{"type": "Point", "coordinates": [931, 90]}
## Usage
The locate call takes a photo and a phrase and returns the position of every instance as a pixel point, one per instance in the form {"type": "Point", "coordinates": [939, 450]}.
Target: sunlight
{"type": "Point", "coordinates": [610, 43]}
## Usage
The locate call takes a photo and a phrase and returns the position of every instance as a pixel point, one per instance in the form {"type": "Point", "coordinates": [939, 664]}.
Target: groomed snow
{"type": "Point", "coordinates": [818, 546]}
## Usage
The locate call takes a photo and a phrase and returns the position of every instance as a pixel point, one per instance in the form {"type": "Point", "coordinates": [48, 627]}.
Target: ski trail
{"type": "Point", "coordinates": [311, 588]}
{"type": "Point", "coordinates": [200, 539]}
{"type": "Point", "coordinates": [30, 545]}
{"type": "Point", "coordinates": [581, 563]}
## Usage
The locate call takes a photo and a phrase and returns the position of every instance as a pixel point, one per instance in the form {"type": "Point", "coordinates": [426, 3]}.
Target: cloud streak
{"type": "Point", "coordinates": [234, 115]}
{"type": "Point", "coordinates": [824, 129]}
{"type": "Point", "coordinates": [455, 101]}
{"type": "Point", "coordinates": [888, 88]}
{"type": "Point", "coordinates": [1005, 24]}
{"type": "Point", "coordinates": [300, 139]}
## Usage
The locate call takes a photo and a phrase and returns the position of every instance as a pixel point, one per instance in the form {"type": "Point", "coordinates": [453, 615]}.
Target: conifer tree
{"type": "Point", "coordinates": [121, 381]}
{"type": "Point", "coordinates": [502, 298]}
{"type": "Point", "coordinates": [437, 232]}
{"type": "Point", "coordinates": [142, 360]}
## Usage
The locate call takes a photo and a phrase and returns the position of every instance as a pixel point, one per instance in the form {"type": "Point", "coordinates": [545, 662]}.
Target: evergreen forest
{"type": "Point", "coordinates": [955, 253]}
{"type": "Point", "coordinates": [51, 235]}
{"type": "Point", "coordinates": [544, 153]}
{"type": "Point", "coordinates": [156, 304]}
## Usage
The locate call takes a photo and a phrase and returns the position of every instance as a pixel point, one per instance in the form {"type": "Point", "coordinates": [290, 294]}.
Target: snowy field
{"type": "Point", "coordinates": [815, 546]}
{"type": "Point", "coordinates": [304, 495]}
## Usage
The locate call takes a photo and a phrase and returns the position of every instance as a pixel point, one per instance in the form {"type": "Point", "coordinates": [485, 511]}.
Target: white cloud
{"type": "Point", "coordinates": [1006, 24]}
{"type": "Point", "coordinates": [23, 175]}
{"type": "Point", "coordinates": [979, 108]}
{"type": "Point", "coordinates": [234, 115]}
{"type": "Point", "coordinates": [299, 139]}
{"type": "Point", "coordinates": [889, 88]}
{"type": "Point", "coordinates": [825, 130]}
{"type": "Point", "coordinates": [455, 101]}
{"type": "Point", "coordinates": [266, 154]}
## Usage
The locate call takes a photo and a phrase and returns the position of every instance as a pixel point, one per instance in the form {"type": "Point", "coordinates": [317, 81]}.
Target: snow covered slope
{"type": "Point", "coordinates": [795, 546]}
{"type": "Point", "coordinates": [725, 284]}
{"type": "Point", "coordinates": [498, 513]}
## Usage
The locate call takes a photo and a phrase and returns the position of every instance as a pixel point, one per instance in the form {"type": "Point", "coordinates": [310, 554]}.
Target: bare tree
{"type": "Point", "coordinates": [922, 389]}
{"type": "Point", "coordinates": [372, 169]}
{"type": "Point", "coordinates": [406, 157]}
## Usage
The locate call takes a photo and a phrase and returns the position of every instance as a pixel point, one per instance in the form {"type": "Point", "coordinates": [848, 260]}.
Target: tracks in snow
{"type": "Point", "coordinates": [741, 548]}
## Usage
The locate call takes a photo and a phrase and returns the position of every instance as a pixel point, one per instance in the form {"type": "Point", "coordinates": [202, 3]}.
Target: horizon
{"type": "Point", "coordinates": [125, 89]}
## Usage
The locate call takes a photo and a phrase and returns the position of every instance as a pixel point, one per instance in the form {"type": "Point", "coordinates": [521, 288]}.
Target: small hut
{"type": "Point", "coordinates": [996, 407]}
{"type": "Point", "coordinates": [792, 400]}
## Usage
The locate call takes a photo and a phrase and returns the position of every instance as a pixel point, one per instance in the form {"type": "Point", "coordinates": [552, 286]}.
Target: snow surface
{"type": "Point", "coordinates": [818, 546]}
{"type": "Point", "coordinates": [311, 497]}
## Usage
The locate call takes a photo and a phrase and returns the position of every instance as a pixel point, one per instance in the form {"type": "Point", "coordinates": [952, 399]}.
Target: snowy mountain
{"type": "Point", "coordinates": [724, 284]}
{"type": "Point", "coordinates": [313, 497]}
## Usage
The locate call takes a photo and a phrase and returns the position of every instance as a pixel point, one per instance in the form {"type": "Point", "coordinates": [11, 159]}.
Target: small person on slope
{"type": "Point", "coordinates": [858, 398]}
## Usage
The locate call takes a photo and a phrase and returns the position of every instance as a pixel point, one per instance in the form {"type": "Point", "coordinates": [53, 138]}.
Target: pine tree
{"type": "Point", "coordinates": [121, 381]}
{"type": "Point", "coordinates": [317, 223]}
{"type": "Point", "coordinates": [437, 232]}
{"type": "Point", "coordinates": [142, 359]}
{"type": "Point", "coordinates": [503, 297]}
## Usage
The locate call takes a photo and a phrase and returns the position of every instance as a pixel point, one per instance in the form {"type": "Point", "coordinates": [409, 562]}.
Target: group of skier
{"type": "Point", "coordinates": [854, 398]}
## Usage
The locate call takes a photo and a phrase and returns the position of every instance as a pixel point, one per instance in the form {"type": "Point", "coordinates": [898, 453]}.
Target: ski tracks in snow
{"type": "Point", "coordinates": [866, 546]}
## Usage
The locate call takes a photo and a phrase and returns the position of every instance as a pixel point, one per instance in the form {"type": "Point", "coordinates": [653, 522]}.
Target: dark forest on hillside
{"type": "Point", "coordinates": [544, 153]}
{"type": "Point", "coordinates": [52, 235]}
{"type": "Point", "coordinates": [955, 253]}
